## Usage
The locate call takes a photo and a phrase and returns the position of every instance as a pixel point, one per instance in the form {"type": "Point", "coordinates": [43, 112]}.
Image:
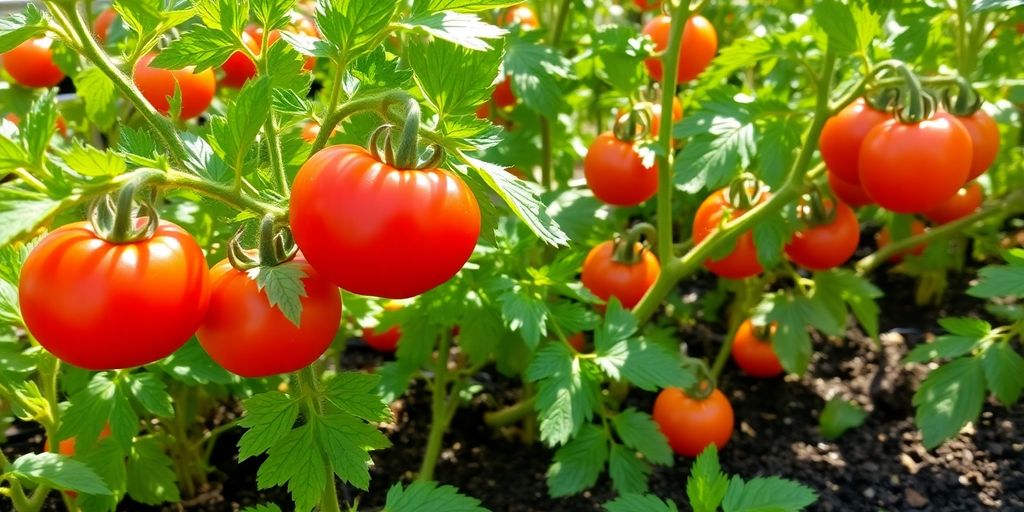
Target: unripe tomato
{"type": "Point", "coordinates": [742, 261]}
{"type": "Point", "coordinates": [248, 336]}
{"type": "Point", "coordinates": [849, 193]}
{"type": "Point", "coordinates": [911, 168]}
{"type": "Point", "coordinates": [755, 355]}
{"type": "Point", "coordinates": [239, 67]}
{"type": "Point", "coordinates": [828, 245]}
{"type": "Point", "coordinates": [578, 341]}
{"type": "Point", "coordinates": [655, 127]}
{"type": "Point", "coordinates": [521, 15]}
{"type": "Point", "coordinates": [157, 85]}
{"type": "Point", "coordinates": [984, 134]}
{"type": "Point", "coordinates": [691, 425]}
{"type": "Point", "coordinates": [607, 278]}
{"type": "Point", "coordinates": [387, 341]}
{"type": "Point", "coordinates": [882, 239]}
{"type": "Point", "coordinates": [104, 306]}
{"type": "Point", "coordinates": [503, 96]}
{"type": "Point", "coordinates": [700, 42]}
{"type": "Point", "coordinates": [843, 135]}
{"type": "Point", "coordinates": [965, 202]}
{"type": "Point", "coordinates": [101, 25]}
{"type": "Point", "coordinates": [616, 174]}
{"type": "Point", "coordinates": [31, 63]}
{"type": "Point", "coordinates": [376, 230]}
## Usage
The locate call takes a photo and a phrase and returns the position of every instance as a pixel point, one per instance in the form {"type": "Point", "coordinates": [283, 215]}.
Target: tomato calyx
{"type": "Point", "coordinates": [127, 219]}
{"type": "Point", "coordinates": [635, 124]}
{"type": "Point", "coordinates": [817, 208]}
{"type": "Point", "coordinates": [964, 102]}
{"type": "Point", "coordinates": [406, 156]}
{"type": "Point", "coordinates": [705, 384]}
{"type": "Point", "coordinates": [912, 102]}
{"type": "Point", "coordinates": [625, 246]}
{"type": "Point", "coordinates": [745, 191]}
{"type": "Point", "coordinates": [274, 246]}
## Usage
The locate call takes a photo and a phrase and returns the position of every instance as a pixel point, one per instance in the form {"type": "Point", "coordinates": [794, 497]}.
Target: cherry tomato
{"type": "Point", "coordinates": [376, 230]}
{"type": "Point", "coordinates": [311, 129]}
{"type": "Point", "coordinates": [247, 336]}
{"type": "Point", "coordinates": [911, 168]}
{"type": "Point", "coordinates": [578, 341]}
{"type": "Point", "coordinates": [916, 228]}
{"type": "Point", "coordinates": [742, 261]}
{"type": "Point", "coordinates": [843, 135]}
{"type": "Point", "coordinates": [700, 42]}
{"type": "Point", "coordinates": [503, 96]}
{"type": "Point", "coordinates": [753, 354]}
{"type": "Point", "coordinates": [965, 202]}
{"type": "Point", "coordinates": [691, 425]}
{"type": "Point", "coordinates": [521, 15]}
{"type": "Point", "coordinates": [829, 245]}
{"type": "Point", "coordinates": [607, 278]}
{"type": "Point", "coordinates": [616, 174]}
{"type": "Point", "coordinates": [647, 5]}
{"type": "Point", "coordinates": [849, 193]}
{"type": "Point", "coordinates": [654, 129]}
{"type": "Point", "coordinates": [387, 341]}
{"type": "Point", "coordinates": [239, 67]}
{"type": "Point", "coordinates": [483, 111]}
{"type": "Point", "coordinates": [101, 25]}
{"type": "Point", "coordinates": [157, 85]}
{"type": "Point", "coordinates": [104, 306]}
{"type": "Point", "coordinates": [31, 63]}
{"type": "Point", "coordinates": [984, 134]}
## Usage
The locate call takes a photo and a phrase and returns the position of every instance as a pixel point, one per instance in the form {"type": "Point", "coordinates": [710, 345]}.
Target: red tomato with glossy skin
{"type": "Point", "coordinates": [372, 229]}
{"type": "Point", "coordinates": [691, 425]}
{"type": "Point", "coordinates": [101, 25]}
{"type": "Point", "coordinates": [607, 278]}
{"type": "Point", "coordinates": [742, 261]}
{"type": "Point", "coordinates": [882, 239]}
{"type": "Point", "coordinates": [503, 96]}
{"type": "Point", "coordinates": [239, 67]}
{"type": "Point", "coordinates": [965, 202]}
{"type": "Point", "coordinates": [848, 193]}
{"type": "Point", "coordinates": [699, 45]}
{"type": "Point", "coordinates": [826, 246]}
{"type": "Point", "coordinates": [984, 134]}
{"type": "Point", "coordinates": [522, 15]}
{"type": "Point", "coordinates": [157, 85]}
{"type": "Point", "coordinates": [578, 341]}
{"type": "Point", "coordinates": [843, 135]}
{"type": "Point", "coordinates": [247, 336]}
{"type": "Point", "coordinates": [387, 341]}
{"type": "Point", "coordinates": [616, 174]}
{"type": "Point", "coordinates": [31, 63]}
{"type": "Point", "coordinates": [104, 306]}
{"type": "Point", "coordinates": [755, 355]}
{"type": "Point", "coordinates": [911, 168]}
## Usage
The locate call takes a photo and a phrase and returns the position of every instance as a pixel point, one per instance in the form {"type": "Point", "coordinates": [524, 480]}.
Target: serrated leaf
{"type": "Point", "coordinates": [353, 26]}
{"type": "Point", "coordinates": [639, 431]}
{"type": "Point", "coordinates": [283, 287]}
{"type": "Point", "coordinates": [268, 418]}
{"type": "Point", "coordinates": [999, 281]}
{"type": "Point", "coordinates": [651, 366]}
{"type": "Point", "coordinates": [355, 393]}
{"type": "Point", "coordinates": [838, 416]}
{"type": "Point", "coordinates": [151, 477]}
{"type": "Point", "coordinates": [1004, 372]}
{"type": "Point", "coordinates": [858, 293]}
{"type": "Point", "coordinates": [944, 347]}
{"type": "Point", "coordinates": [534, 70]}
{"type": "Point", "coordinates": [466, 30]}
{"type": "Point", "coordinates": [90, 161]}
{"type": "Point", "coordinates": [628, 472]}
{"type": "Point", "coordinates": [707, 485]}
{"type": "Point", "coordinates": [965, 326]}
{"type": "Point", "coordinates": [22, 212]}
{"type": "Point", "coordinates": [346, 441]}
{"type": "Point", "coordinates": [460, 5]}
{"type": "Point", "coordinates": [17, 28]}
{"type": "Point", "coordinates": [100, 96]}
{"type": "Point", "coordinates": [770, 236]}
{"type": "Point", "coordinates": [771, 494]}
{"type": "Point", "coordinates": [836, 19]}
{"type": "Point", "coordinates": [565, 402]}
{"type": "Point", "coordinates": [949, 397]}
{"type": "Point", "coordinates": [525, 314]}
{"type": "Point", "coordinates": [59, 472]}
{"type": "Point", "coordinates": [429, 497]}
{"type": "Point", "coordinates": [201, 47]}
{"type": "Point", "coordinates": [201, 160]}
{"type": "Point", "coordinates": [151, 392]}
{"type": "Point", "coordinates": [639, 503]}
{"type": "Point", "coordinates": [578, 464]}
{"type": "Point", "coordinates": [723, 141]}
{"type": "Point", "coordinates": [267, 507]}
{"type": "Point", "coordinates": [296, 460]}
{"type": "Point", "coordinates": [103, 401]}
{"type": "Point", "coordinates": [453, 79]}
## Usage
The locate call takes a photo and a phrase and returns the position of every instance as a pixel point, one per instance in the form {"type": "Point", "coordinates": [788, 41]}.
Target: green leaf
{"type": "Point", "coordinates": [480, 330]}
{"type": "Point", "coordinates": [283, 287]}
{"type": "Point", "coordinates": [201, 160]}
{"type": "Point", "coordinates": [944, 347]}
{"type": "Point", "coordinates": [268, 418]}
{"type": "Point", "coordinates": [354, 25]}
{"type": "Point", "coordinates": [296, 460]}
{"type": "Point", "coordinates": [91, 161]}
{"type": "Point", "coordinates": [346, 441]}
{"type": "Point", "coordinates": [101, 402]}
{"type": "Point", "coordinates": [429, 497]}
{"type": "Point", "coordinates": [100, 96]}
{"type": "Point", "coordinates": [151, 477]}
{"type": "Point", "coordinates": [237, 131]}
{"type": "Point", "coordinates": [551, 360]}
{"type": "Point", "coordinates": [271, 14]}
{"type": "Point", "coordinates": [651, 366]}
{"type": "Point", "coordinates": [855, 291]}
{"type": "Point", "coordinates": [995, 5]}
{"type": "Point", "coordinates": [838, 416]}
{"type": "Point", "coordinates": [267, 507]}
{"type": "Point", "coordinates": [620, 50]}
{"type": "Point", "coordinates": [565, 401]}
{"type": "Point", "coordinates": [535, 70]}
{"type": "Point", "coordinates": [39, 125]}
{"type": "Point", "coordinates": [999, 281]}
{"type": "Point", "coordinates": [619, 324]}
{"type": "Point", "coordinates": [770, 236]}
{"type": "Point", "coordinates": [628, 472]}
{"type": "Point", "coordinates": [151, 392]}
{"type": "Point", "coordinates": [355, 393]}
{"type": "Point", "coordinates": [192, 365]}
{"type": "Point", "coordinates": [201, 47]}
{"type": "Point", "coordinates": [20, 27]}
{"type": "Point", "coordinates": [948, 398]}
{"type": "Point", "coordinates": [639, 503]}
{"type": "Point", "coordinates": [578, 464]}
{"type": "Point", "coordinates": [770, 494]}
{"type": "Point", "coordinates": [1004, 371]}
{"type": "Point", "coordinates": [965, 326]}
{"type": "Point", "coordinates": [22, 212]}
{"type": "Point", "coordinates": [57, 471]}
{"type": "Point", "coordinates": [707, 485]}
{"type": "Point", "coordinates": [466, 30]}
{"type": "Point", "coordinates": [526, 314]}
{"type": "Point", "coordinates": [639, 431]}
{"type": "Point", "coordinates": [792, 315]}
{"type": "Point", "coordinates": [723, 140]}
{"type": "Point", "coordinates": [223, 15]}
{"type": "Point", "coordinates": [453, 79]}
{"type": "Point", "coordinates": [836, 19]}
{"type": "Point", "coordinates": [460, 5]}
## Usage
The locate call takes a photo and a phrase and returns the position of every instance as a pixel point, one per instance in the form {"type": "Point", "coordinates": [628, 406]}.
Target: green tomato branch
{"type": "Point", "coordinates": [378, 102]}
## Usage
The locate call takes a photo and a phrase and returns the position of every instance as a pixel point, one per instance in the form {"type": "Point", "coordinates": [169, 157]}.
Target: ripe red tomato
{"type": "Point", "coordinates": [31, 63]}
{"type": "Point", "coordinates": [843, 135]}
{"type": "Point", "coordinates": [742, 261]}
{"type": "Point", "coordinates": [578, 341]}
{"type": "Point", "coordinates": [239, 67]}
{"type": "Point", "coordinates": [616, 174]}
{"type": "Point", "coordinates": [700, 42]}
{"type": "Point", "coordinates": [655, 127]}
{"type": "Point", "coordinates": [310, 130]}
{"type": "Point", "coordinates": [965, 202]}
{"type": "Point", "coordinates": [104, 306]}
{"type": "Point", "coordinates": [911, 168]}
{"type": "Point", "coordinates": [829, 245]}
{"type": "Point", "coordinates": [755, 355]}
{"type": "Point", "coordinates": [522, 15]}
{"type": "Point", "coordinates": [387, 341]}
{"type": "Point", "coordinates": [916, 228]}
{"type": "Point", "coordinates": [483, 111]}
{"type": "Point", "coordinates": [984, 134]}
{"type": "Point", "coordinates": [691, 425]}
{"type": "Point", "coordinates": [376, 230]}
{"type": "Point", "coordinates": [647, 5]}
{"type": "Point", "coordinates": [848, 193]}
{"type": "Point", "coordinates": [157, 85]}
{"type": "Point", "coordinates": [67, 447]}
{"type": "Point", "coordinates": [101, 25]}
{"type": "Point", "coordinates": [503, 96]}
{"type": "Point", "coordinates": [607, 278]}
{"type": "Point", "coordinates": [247, 336]}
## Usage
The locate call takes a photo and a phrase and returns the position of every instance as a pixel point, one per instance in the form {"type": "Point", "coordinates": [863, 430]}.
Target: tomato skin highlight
{"type": "Point", "coordinates": [827, 245]}
{"type": "Point", "coordinates": [984, 134]}
{"type": "Point", "coordinates": [966, 201]}
{"type": "Point", "coordinates": [755, 355]}
{"type": "Point", "coordinates": [101, 25]}
{"type": "Point", "coordinates": [699, 45]}
{"type": "Point", "coordinates": [691, 425]}
{"type": "Point", "coordinates": [608, 278]}
{"type": "Point", "coordinates": [882, 239]}
{"type": "Point", "coordinates": [30, 63]}
{"type": "Point", "coordinates": [742, 261]}
{"type": "Point", "coordinates": [521, 14]}
{"type": "Point", "coordinates": [843, 135]}
{"type": "Point", "coordinates": [375, 230]}
{"type": "Point", "coordinates": [157, 85]}
{"type": "Point", "coordinates": [911, 168]}
{"type": "Point", "coordinates": [247, 336]}
{"type": "Point", "coordinates": [616, 174]}
{"type": "Point", "coordinates": [103, 306]}
{"type": "Point", "coordinates": [849, 193]}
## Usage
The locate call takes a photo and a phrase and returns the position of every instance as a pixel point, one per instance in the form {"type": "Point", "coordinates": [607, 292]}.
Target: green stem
{"type": "Point", "coordinates": [438, 411]}
{"type": "Point", "coordinates": [377, 102]}
{"type": "Point", "coordinates": [964, 52]}
{"type": "Point", "coordinates": [309, 388]}
{"type": "Point", "coordinates": [511, 414]}
{"type": "Point", "coordinates": [723, 353]}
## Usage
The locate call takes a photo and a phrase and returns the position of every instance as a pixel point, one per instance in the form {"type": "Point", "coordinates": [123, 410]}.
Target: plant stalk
{"type": "Point", "coordinates": [438, 411]}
